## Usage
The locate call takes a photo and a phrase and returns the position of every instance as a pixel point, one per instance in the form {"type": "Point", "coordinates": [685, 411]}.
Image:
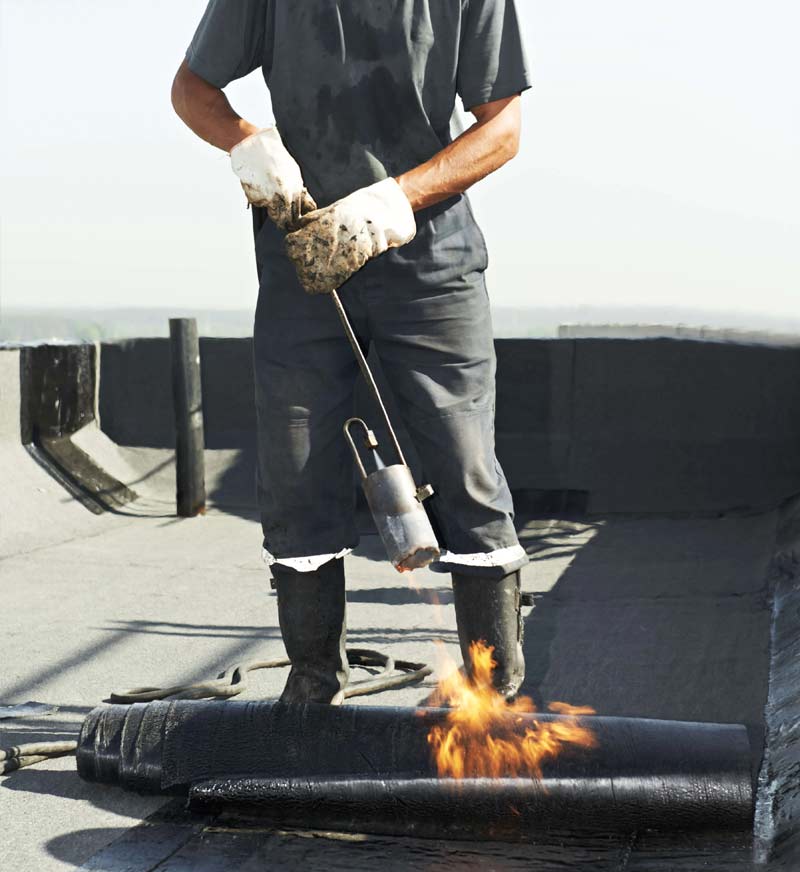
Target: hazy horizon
{"type": "Point", "coordinates": [86, 324]}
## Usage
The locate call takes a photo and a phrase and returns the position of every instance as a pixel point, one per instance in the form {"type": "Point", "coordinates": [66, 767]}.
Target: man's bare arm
{"type": "Point", "coordinates": [492, 141]}
{"type": "Point", "coordinates": [206, 110]}
{"type": "Point", "coordinates": [333, 243]}
{"type": "Point", "coordinates": [269, 175]}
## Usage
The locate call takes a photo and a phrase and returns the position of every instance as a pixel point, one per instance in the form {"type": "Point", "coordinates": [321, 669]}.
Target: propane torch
{"type": "Point", "coordinates": [394, 499]}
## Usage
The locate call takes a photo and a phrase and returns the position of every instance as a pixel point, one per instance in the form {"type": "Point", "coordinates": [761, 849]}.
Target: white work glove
{"type": "Point", "coordinates": [333, 243]}
{"type": "Point", "coordinates": [271, 177]}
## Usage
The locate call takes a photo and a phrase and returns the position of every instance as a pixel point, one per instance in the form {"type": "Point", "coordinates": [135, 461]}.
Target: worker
{"type": "Point", "coordinates": [363, 188]}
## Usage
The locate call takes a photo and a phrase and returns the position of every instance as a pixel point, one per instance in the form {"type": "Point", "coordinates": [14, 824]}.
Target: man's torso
{"type": "Point", "coordinates": [362, 89]}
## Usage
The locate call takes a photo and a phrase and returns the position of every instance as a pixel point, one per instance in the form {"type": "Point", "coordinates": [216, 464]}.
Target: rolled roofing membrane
{"type": "Point", "coordinates": [370, 770]}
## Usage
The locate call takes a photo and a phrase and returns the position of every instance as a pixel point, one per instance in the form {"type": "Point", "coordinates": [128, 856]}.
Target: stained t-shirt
{"type": "Point", "coordinates": [362, 89]}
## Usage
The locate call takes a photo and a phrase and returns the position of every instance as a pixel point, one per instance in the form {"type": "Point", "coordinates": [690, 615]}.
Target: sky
{"type": "Point", "coordinates": [658, 166]}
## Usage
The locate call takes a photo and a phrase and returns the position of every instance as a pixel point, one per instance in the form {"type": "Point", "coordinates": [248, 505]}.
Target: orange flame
{"type": "Point", "coordinates": [482, 737]}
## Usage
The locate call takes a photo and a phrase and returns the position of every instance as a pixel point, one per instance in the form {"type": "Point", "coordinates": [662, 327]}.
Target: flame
{"type": "Point", "coordinates": [482, 737]}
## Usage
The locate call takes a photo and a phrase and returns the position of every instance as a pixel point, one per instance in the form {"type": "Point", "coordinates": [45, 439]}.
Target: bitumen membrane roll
{"type": "Point", "coordinates": [371, 770]}
{"type": "Point", "coordinates": [505, 809]}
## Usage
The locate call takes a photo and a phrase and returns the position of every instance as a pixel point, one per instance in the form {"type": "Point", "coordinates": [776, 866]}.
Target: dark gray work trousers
{"type": "Point", "coordinates": [425, 309]}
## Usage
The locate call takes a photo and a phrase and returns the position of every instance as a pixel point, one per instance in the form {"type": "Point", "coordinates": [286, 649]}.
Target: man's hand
{"type": "Point", "coordinates": [271, 178]}
{"type": "Point", "coordinates": [335, 242]}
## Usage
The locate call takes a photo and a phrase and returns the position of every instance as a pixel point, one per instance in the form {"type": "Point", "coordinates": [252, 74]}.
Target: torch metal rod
{"type": "Point", "coordinates": [366, 372]}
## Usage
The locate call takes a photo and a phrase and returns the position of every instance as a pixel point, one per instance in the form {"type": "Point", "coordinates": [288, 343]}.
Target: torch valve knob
{"type": "Point", "coordinates": [424, 491]}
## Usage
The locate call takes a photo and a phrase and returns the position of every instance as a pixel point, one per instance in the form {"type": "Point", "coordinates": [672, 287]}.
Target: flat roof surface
{"type": "Point", "coordinates": [653, 617]}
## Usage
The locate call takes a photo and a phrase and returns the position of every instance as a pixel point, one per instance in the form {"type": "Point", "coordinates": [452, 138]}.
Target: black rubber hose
{"type": "Point", "coordinates": [234, 680]}
{"type": "Point", "coordinates": [358, 760]}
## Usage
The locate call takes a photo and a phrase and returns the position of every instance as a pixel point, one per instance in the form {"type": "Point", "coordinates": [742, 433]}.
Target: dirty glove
{"type": "Point", "coordinates": [271, 177]}
{"type": "Point", "coordinates": [333, 243]}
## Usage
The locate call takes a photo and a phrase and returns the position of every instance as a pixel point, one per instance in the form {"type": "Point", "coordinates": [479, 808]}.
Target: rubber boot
{"type": "Point", "coordinates": [489, 610]}
{"type": "Point", "coordinates": [311, 612]}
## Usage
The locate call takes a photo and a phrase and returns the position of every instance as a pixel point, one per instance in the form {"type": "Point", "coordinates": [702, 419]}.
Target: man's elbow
{"type": "Point", "coordinates": [508, 131]}
{"type": "Point", "coordinates": [512, 144]}
{"type": "Point", "coordinates": [508, 145]}
{"type": "Point", "coordinates": [190, 93]}
{"type": "Point", "coordinates": [503, 121]}
{"type": "Point", "coordinates": [178, 91]}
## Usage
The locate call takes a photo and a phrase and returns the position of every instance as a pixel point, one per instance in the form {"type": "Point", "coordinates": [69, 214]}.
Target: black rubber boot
{"type": "Point", "coordinates": [311, 612]}
{"type": "Point", "coordinates": [489, 610]}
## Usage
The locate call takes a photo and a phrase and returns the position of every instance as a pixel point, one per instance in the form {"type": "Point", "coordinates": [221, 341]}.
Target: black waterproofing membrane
{"type": "Point", "coordinates": [371, 770]}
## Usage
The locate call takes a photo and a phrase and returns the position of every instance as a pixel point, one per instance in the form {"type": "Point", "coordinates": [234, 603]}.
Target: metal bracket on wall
{"type": "Point", "coordinates": [58, 385]}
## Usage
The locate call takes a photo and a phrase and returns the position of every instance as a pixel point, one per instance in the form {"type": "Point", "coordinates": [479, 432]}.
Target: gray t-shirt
{"type": "Point", "coordinates": [362, 89]}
